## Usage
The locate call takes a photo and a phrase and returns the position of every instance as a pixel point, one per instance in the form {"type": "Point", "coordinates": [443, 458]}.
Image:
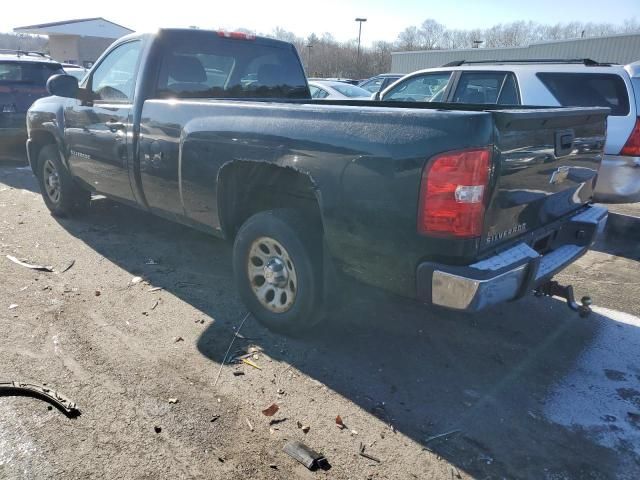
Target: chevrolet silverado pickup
{"type": "Point", "coordinates": [458, 206]}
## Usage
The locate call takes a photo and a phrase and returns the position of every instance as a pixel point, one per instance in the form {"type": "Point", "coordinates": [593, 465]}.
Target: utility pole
{"type": "Point", "coordinates": [309, 47]}
{"type": "Point", "coordinates": [359, 20]}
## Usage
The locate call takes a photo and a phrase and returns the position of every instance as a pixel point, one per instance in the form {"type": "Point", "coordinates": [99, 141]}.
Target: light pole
{"type": "Point", "coordinates": [309, 47]}
{"type": "Point", "coordinates": [359, 20]}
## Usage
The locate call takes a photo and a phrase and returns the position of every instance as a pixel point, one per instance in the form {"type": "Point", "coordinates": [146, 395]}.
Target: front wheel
{"type": "Point", "coordinates": [277, 263]}
{"type": "Point", "coordinates": [62, 195]}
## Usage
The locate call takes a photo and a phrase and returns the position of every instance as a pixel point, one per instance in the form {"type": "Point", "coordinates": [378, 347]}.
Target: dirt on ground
{"type": "Point", "coordinates": [525, 390]}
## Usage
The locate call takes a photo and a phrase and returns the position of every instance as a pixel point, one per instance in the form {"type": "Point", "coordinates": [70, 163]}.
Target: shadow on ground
{"type": "Point", "coordinates": [495, 378]}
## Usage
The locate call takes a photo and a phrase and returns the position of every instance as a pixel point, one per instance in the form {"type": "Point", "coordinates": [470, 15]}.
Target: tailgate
{"type": "Point", "coordinates": [546, 163]}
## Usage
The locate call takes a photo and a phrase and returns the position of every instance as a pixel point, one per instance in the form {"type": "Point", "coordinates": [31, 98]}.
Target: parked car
{"type": "Point", "coordinates": [460, 207]}
{"type": "Point", "coordinates": [75, 70]}
{"type": "Point", "coordinates": [23, 78]}
{"type": "Point", "coordinates": [333, 90]}
{"type": "Point", "coordinates": [548, 83]}
{"type": "Point", "coordinates": [335, 79]}
{"type": "Point", "coordinates": [379, 82]}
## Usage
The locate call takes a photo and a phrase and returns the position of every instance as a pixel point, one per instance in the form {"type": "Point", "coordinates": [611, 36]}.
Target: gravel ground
{"type": "Point", "coordinates": [529, 389]}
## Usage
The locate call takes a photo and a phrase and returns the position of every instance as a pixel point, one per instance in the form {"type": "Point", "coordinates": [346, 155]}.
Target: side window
{"type": "Point", "coordinates": [373, 86]}
{"type": "Point", "coordinates": [509, 91]}
{"type": "Point", "coordinates": [114, 79]}
{"type": "Point", "coordinates": [479, 87]}
{"type": "Point", "coordinates": [423, 88]}
{"type": "Point", "coordinates": [320, 93]}
{"type": "Point", "coordinates": [588, 90]}
{"type": "Point", "coordinates": [314, 91]}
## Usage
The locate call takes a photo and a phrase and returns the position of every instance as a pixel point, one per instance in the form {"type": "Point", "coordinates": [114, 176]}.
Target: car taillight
{"type": "Point", "coordinates": [452, 194]}
{"type": "Point", "coordinates": [236, 35]}
{"type": "Point", "coordinates": [632, 147]}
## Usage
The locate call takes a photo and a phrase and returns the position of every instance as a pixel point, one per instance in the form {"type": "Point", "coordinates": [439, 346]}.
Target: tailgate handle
{"type": "Point", "coordinates": [564, 142]}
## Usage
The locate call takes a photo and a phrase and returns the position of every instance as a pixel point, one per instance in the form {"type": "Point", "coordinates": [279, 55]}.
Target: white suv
{"type": "Point", "coordinates": [547, 83]}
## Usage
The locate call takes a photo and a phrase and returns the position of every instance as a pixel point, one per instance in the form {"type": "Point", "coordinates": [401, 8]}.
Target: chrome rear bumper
{"type": "Point", "coordinates": [511, 273]}
{"type": "Point", "coordinates": [618, 180]}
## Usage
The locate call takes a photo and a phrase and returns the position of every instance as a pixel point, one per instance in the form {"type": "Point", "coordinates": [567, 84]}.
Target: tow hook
{"type": "Point", "coordinates": [554, 289]}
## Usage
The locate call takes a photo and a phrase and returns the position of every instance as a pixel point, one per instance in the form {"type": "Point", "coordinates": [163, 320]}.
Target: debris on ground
{"type": "Point", "coordinates": [271, 410]}
{"type": "Point", "coordinates": [136, 280]}
{"type": "Point", "coordinates": [154, 289]}
{"type": "Point", "coordinates": [157, 429]}
{"type": "Point", "coordinates": [276, 421]}
{"type": "Point", "coordinates": [339, 423]}
{"type": "Point", "coordinates": [280, 391]}
{"type": "Point", "coordinates": [214, 418]}
{"type": "Point", "coordinates": [237, 373]}
{"type": "Point", "coordinates": [41, 268]}
{"type": "Point", "coordinates": [250, 363]}
{"type": "Point", "coordinates": [306, 456]}
{"type": "Point", "coordinates": [97, 293]}
{"type": "Point", "coordinates": [178, 339]}
{"type": "Point", "coordinates": [68, 267]}
{"type": "Point", "coordinates": [249, 424]}
{"type": "Point", "coordinates": [173, 400]}
{"type": "Point", "coordinates": [43, 392]}
{"type": "Point", "coordinates": [153, 307]}
{"type": "Point", "coordinates": [12, 306]}
{"type": "Point", "coordinates": [305, 428]}
{"type": "Point", "coordinates": [442, 435]}
{"type": "Point", "coordinates": [362, 453]}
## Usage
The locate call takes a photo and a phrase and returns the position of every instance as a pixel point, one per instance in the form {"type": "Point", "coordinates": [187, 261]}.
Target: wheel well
{"type": "Point", "coordinates": [246, 188]}
{"type": "Point", "coordinates": [39, 139]}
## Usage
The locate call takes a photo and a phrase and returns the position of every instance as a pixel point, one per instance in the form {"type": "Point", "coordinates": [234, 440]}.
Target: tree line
{"type": "Point", "coordinates": [324, 56]}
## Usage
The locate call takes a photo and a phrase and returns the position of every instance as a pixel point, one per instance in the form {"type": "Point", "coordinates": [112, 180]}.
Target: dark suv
{"type": "Point", "coordinates": [23, 79]}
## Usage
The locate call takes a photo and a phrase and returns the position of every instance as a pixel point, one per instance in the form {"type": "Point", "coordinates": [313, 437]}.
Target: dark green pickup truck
{"type": "Point", "coordinates": [460, 206]}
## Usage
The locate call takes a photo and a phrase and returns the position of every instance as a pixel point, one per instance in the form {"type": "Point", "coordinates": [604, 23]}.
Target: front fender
{"type": "Point", "coordinates": [45, 125]}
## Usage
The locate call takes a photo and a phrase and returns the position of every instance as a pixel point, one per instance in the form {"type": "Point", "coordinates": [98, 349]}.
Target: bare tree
{"type": "Point", "coordinates": [431, 34]}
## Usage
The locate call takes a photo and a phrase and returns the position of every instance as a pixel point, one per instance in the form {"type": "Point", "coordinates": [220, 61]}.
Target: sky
{"type": "Point", "coordinates": [385, 18]}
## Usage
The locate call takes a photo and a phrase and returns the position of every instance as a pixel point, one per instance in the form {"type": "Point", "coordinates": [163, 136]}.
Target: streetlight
{"type": "Point", "coordinates": [359, 20]}
{"type": "Point", "coordinates": [309, 47]}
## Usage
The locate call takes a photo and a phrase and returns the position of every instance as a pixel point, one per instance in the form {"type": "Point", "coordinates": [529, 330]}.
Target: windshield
{"type": "Point", "coordinates": [350, 90]}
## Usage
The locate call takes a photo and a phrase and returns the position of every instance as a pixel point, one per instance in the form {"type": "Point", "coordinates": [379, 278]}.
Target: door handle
{"type": "Point", "coordinates": [115, 126]}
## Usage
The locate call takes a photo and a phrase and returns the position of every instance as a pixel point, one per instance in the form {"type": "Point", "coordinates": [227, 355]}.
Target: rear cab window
{"type": "Point", "coordinates": [588, 90]}
{"type": "Point", "coordinates": [210, 66]}
{"type": "Point", "coordinates": [487, 88]}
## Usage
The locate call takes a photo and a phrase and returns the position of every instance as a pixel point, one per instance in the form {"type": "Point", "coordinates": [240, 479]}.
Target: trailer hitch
{"type": "Point", "coordinates": [554, 289]}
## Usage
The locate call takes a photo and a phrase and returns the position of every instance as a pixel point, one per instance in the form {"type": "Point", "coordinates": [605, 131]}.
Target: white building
{"type": "Point", "coordinates": [78, 41]}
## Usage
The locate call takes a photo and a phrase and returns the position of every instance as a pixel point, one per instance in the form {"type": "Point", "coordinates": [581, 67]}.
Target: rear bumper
{"type": "Point", "coordinates": [618, 180]}
{"type": "Point", "coordinates": [510, 274]}
{"type": "Point", "coordinates": [12, 143]}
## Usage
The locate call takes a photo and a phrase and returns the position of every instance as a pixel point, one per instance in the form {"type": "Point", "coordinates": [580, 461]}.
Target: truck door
{"type": "Point", "coordinates": [98, 130]}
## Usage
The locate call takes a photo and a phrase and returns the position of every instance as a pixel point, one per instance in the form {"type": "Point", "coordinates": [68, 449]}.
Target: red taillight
{"type": "Point", "coordinates": [452, 194]}
{"type": "Point", "coordinates": [236, 35]}
{"type": "Point", "coordinates": [632, 147]}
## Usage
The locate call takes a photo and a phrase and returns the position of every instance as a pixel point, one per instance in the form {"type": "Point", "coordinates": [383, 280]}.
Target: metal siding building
{"type": "Point", "coordinates": [621, 49]}
{"type": "Point", "coordinates": [79, 41]}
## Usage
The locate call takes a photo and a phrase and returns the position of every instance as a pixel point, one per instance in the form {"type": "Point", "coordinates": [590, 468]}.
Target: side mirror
{"type": "Point", "coordinates": [63, 86]}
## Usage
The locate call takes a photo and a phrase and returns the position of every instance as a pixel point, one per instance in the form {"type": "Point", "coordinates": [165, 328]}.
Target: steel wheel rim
{"type": "Point", "coordinates": [272, 275]}
{"type": "Point", "coordinates": [51, 180]}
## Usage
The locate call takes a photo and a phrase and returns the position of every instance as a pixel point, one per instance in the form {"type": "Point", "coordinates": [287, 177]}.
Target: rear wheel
{"type": "Point", "coordinates": [277, 263]}
{"type": "Point", "coordinates": [62, 195]}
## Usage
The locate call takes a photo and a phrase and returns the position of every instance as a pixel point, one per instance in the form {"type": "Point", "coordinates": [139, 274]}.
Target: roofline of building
{"type": "Point", "coordinates": [69, 22]}
{"type": "Point", "coordinates": [546, 42]}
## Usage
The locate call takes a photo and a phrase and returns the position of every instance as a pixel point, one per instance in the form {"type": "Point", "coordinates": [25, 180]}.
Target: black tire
{"type": "Point", "coordinates": [67, 198]}
{"type": "Point", "coordinates": [301, 242]}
